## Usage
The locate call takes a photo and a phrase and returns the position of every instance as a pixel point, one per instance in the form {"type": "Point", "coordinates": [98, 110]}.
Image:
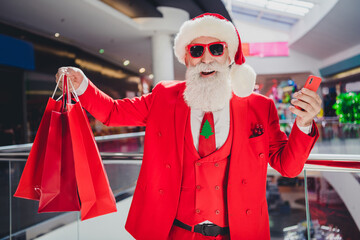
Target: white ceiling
{"type": "Point", "coordinates": [91, 25]}
{"type": "Point", "coordinates": [337, 31]}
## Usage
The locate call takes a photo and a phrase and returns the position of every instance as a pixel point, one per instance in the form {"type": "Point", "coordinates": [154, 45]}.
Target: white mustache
{"type": "Point", "coordinates": [195, 71]}
{"type": "Point", "coordinates": [207, 67]}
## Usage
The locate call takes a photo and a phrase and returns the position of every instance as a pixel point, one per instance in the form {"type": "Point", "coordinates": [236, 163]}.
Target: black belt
{"type": "Point", "coordinates": [205, 229]}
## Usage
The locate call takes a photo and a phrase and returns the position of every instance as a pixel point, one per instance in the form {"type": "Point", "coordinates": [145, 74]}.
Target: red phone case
{"type": "Point", "coordinates": [312, 83]}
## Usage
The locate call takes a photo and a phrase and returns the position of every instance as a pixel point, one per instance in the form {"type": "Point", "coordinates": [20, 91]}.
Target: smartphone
{"type": "Point", "coordinates": [312, 83]}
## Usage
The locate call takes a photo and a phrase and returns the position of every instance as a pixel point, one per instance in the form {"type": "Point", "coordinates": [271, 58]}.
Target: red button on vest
{"type": "Point", "coordinates": [248, 212]}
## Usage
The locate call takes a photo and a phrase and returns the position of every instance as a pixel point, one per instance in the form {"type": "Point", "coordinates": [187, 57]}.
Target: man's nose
{"type": "Point", "coordinates": [207, 57]}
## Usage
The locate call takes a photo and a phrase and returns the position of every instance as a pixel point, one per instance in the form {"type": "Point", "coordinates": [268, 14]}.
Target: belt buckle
{"type": "Point", "coordinates": [206, 230]}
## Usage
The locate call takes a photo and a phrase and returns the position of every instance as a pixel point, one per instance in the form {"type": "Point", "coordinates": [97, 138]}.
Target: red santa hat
{"type": "Point", "coordinates": [214, 25]}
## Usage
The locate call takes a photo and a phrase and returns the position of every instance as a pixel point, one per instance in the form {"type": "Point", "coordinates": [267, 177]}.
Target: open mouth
{"type": "Point", "coordinates": [207, 74]}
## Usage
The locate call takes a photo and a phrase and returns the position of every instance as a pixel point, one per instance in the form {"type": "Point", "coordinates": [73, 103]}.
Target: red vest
{"type": "Point", "coordinates": [204, 183]}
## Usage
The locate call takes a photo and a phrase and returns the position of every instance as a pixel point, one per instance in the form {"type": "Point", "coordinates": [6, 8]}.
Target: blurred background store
{"type": "Point", "coordinates": [125, 48]}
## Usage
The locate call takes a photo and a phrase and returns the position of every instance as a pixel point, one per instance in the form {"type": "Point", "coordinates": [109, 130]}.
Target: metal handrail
{"type": "Point", "coordinates": [321, 120]}
{"type": "Point", "coordinates": [138, 156]}
{"type": "Point", "coordinates": [106, 156]}
{"type": "Point", "coordinates": [337, 157]}
{"type": "Point", "coordinates": [317, 156]}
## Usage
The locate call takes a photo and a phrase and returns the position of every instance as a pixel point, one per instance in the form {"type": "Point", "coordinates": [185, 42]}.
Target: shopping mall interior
{"type": "Point", "coordinates": [125, 48]}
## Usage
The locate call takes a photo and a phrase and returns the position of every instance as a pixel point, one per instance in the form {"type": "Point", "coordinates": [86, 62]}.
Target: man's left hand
{"type": "Point", "coordinates": [308, 100]}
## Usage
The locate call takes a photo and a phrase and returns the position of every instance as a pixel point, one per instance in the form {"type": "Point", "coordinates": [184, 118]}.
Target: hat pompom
{"type": "Point", "coordinates": [242, 79]}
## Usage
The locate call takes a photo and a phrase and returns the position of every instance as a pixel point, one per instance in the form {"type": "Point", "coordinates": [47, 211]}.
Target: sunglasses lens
{"type": "Point", "coordinates": [216, 49]}
{"type": "Point", "coordinates": [196, 51]}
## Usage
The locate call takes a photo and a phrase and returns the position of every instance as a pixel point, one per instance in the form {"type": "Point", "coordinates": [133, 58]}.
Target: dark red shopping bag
{"type": "Point", "coordinates": [93, 185]}
{"type": "Point", "coordinates": [58, 185]}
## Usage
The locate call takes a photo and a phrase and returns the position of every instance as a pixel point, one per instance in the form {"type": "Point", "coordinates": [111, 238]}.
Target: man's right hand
{"type": "Point", "coordinates": [75, 75]}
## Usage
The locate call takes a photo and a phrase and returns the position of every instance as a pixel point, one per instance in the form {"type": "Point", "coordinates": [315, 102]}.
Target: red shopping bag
{"type": "Point", "coordinates": [49, 174]}
{"type": "Point", "coordinates": [30, 181]}
{"type": "Point", "coordinates": [65, 164]}
{"type": "Point", "coordinates": [58, 186]}
{"type": "Point", "coordinates": [93, 185]}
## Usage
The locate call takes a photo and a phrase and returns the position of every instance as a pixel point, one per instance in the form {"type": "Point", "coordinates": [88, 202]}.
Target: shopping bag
{"type": "Point", "coordinates": [30, 181]}
{"type": "Point", "coordinates": [58, 190]}
{"type": "Point", "coordinates": [49, 174]}
{"type": "Point", "coordinates": [66, 134]}
{"type": "Point", "coordinates": [58, 185]}
{"type": "Point", "coordinates": [93, 185]}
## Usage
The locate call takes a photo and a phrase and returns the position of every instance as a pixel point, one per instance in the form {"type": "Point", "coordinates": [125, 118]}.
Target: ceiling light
{"type": "Point", "coordinates": [141, 70]}
{"type": "Point", "coordinates": [276, 6]}
{"type": "Point", "coordinates": [260, 3]}
{"type": "Point", "coordinates": [297, 10]}
{"type": "Point", "coordinates": [126, 62]}
{"type": "Point", "coordinates": [101, 51]}
{"type": "Point", "coordinates": [303, 4]}
{"type": "Point", "coordinates": [57, 34]}
{"type": "Point", "coordinates": [284, 1]}
{"type": "Point", "coordinates": [241, 1]}
{"type": "Point", "coordinates": [151, 76]}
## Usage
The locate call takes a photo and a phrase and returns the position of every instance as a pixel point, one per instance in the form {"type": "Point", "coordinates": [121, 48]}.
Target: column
{"type": "Point", "coordinates": [162, 57]}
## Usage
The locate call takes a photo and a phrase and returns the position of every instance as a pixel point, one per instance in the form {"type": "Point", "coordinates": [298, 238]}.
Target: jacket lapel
{"type": "Point", "coordinates": [239, 108]}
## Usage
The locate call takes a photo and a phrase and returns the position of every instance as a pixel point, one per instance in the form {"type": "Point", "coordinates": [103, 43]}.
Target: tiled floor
{"type": "Point", "coordinates": [107, 227]}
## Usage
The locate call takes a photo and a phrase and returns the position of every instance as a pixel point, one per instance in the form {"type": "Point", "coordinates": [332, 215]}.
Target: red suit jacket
{"type": "Point", "coordinates": [164, 113]}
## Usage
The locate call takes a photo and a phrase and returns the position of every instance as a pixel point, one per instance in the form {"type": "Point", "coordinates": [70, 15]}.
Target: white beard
{"type": "Point", "coordinates": [208, 93]}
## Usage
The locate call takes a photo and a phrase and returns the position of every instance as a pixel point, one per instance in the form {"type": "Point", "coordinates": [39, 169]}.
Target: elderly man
{"type": "Point", "coordinates": [208, 140]}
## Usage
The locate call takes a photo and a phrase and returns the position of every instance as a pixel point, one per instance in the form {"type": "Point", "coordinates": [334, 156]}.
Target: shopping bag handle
{"type": "Point", "coordinates": [73, 92]}
{"type": "Point", "coordinates": [57, 85]}
{"type": "Point", "coordinates": [64, 92]}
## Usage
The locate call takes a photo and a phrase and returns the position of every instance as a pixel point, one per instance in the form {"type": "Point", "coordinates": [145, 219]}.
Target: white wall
{"type": "Point", "coordinates": [348, 53]}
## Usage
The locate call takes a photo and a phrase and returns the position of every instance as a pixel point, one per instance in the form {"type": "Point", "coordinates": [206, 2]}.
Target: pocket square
{"type": "Point", "coordinates": [257, 130]}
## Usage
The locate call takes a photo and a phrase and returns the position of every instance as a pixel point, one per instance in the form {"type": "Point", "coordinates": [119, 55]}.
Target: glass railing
{"type": "Point", "coordinates": [335, 137]}
{"type": "Point", "coordinates": [323, 197]}
{"type": "Point", "coordinates": [19, 218]}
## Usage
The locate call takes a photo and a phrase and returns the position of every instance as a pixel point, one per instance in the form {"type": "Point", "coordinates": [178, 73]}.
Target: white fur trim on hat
{"type": "Point", "coordinates": [242, 79]}
{"type": "Point", "coordinates": [209, 26]}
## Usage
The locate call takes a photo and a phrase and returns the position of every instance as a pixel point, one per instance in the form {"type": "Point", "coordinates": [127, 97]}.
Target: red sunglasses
{"type": "Point", "coordinates": [216, 49]}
